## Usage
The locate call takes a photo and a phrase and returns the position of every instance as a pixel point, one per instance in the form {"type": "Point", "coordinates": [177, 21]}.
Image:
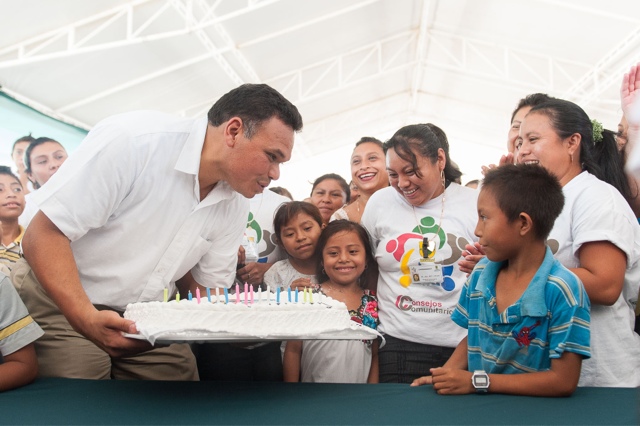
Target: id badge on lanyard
{"type": "Point", "coordinates": [427, 271]}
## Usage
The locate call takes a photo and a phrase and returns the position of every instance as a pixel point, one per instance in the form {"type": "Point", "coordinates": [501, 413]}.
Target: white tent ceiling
{"type": "Point", "coordinates": [353, 67]}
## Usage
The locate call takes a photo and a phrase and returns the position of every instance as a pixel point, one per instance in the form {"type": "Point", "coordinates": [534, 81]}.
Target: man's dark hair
{"type": "Point", "coordinates": [254, 104]}
{"type": "Point", "coordinates": [526, 188]}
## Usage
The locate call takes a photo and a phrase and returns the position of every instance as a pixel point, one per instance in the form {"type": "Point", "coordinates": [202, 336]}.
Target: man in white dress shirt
{"type": "Point", "coordinates": [148, 202]}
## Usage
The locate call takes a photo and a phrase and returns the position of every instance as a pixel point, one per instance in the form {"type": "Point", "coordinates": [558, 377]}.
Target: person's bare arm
{"type": "Point", "coordinates": [602, 268]}
{"type": "Point", "coordinates": [19, 368]}
{"type": "Point", "coordinates": [374, 371]}
{"type": "Point", "coordinates": [291, 361]}
{"type": "Point", "coordinates": [458, 361]}
{"type": "Point", "coordinates": [49, 254]}
{"type": "Point", "coordinates": [560, 380]}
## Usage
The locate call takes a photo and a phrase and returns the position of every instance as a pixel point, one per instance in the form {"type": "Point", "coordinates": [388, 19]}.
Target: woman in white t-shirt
{"type": "Point", "coordinates": [597, 235]}
{"type": "Point", "coordinates": [419, 227]}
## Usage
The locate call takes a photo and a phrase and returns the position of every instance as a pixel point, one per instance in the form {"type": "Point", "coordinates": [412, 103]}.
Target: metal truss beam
{"type": "Point", "coordinates": [447, 51]}
{"type": "Point", "coordinates": [66, 41]}
{"type": "Point", "coordinates": [607, 72]}
{"type": "Point", "coordinates": [428, 10]}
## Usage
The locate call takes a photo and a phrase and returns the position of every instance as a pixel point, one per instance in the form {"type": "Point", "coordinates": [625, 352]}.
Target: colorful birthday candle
{"type": "Point", "coordinates": [269, 294]}
{"type": "Point", "coordinates": [237, 293]}
{"type": "Point", "coordinates": [166, 294]}
{"type": "Point", "coordinates": [226, 296]}
{"type": "Point", "coordinates": [209, 294]}
{"type": "Point", "coordinates": [289, 294]}
{"type": "Point", "coordinates": [251, 291]}
{"type": "Point", "coordinates": [198, 295]}
{"type": "Point", "coordinates": [259, 294]}
{"type": "Point", "coordinates": [217, 294]}
{"type": "Point", "coordinates": [246, 293]}
{"type": "Point", "coordinates": [177, 296]}
{"type": "Point", "coordinates": [304, 295]}
{"type": "Point", "coordinates": [189, 296]}
{"type": "Point", "coordinates": [296, 295]}
{"type": "Point", "coordinates": [278, 295]}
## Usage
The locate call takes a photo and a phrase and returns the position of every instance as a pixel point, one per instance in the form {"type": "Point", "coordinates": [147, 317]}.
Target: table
{"type": "Point", "coordinates": [74, 401]}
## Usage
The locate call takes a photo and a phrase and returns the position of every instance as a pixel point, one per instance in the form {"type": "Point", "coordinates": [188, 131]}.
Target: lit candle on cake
{"type": "Point", "coordinates": [209, 294]}
{"type": "Point", "coordinates": [166, 295]}
{"type": "Point", "coordinates": [226, 296]}
{"type": "Point", "coordinates": [198, 295]}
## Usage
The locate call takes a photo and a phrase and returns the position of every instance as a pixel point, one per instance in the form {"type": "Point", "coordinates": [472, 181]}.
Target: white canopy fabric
{"type": "Point", "coordinates": [353, 67]}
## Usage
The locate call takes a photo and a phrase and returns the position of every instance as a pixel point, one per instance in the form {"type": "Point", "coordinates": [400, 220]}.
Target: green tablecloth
{"type": "Point", "coordinates": [71, 401]}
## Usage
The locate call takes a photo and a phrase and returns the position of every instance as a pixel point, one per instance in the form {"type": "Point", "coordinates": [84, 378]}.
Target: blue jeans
{"type": "Point", "coordinates": [401, 361]}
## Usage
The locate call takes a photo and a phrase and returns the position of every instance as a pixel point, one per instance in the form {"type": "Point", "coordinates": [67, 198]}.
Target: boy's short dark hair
{"type": "Point", "coordinates": [254, 104]}
{"type": "Point", "coordinates": [527, 188]}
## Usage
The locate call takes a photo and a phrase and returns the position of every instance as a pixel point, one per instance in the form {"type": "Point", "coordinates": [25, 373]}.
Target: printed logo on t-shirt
{"type": "Point", "coordinates": [263, 238]}
{"type": "Point", "coordinates": [406, 303]}
{"type": "Point", "coordinates": [402, 250]}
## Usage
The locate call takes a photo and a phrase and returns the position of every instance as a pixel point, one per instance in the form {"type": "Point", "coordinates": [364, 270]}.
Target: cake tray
{"type": "Point", "coordinates": [359, 333]}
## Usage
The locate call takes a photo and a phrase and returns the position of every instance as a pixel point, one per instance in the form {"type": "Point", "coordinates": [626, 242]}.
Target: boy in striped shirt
{"type": "Point", "coordinates": [527, 316]}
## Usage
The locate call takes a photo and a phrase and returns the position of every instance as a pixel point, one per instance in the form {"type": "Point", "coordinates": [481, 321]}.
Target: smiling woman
{"type": "Point", "coordinates": [596, 236]}
{"type": "Point", "coordinates": [368, 174]}
{"type": "Point", "coordinates": [419, 227]}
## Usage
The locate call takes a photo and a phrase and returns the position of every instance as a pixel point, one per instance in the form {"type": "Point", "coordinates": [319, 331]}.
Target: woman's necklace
{"type": "Point", "coordinates": [428, 249]}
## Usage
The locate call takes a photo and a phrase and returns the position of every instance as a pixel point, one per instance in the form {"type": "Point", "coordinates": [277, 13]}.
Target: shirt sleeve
{"type": "Point", "coordinates": [17, 328]}
{"type": "Point", "coordinates": [570, 319]}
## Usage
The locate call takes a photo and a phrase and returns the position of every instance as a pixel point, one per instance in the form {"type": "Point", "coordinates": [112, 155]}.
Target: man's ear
{"type": "Point", "coordinates": [526, 223]}
{"type": "Point", "coordinates": [232, 129]}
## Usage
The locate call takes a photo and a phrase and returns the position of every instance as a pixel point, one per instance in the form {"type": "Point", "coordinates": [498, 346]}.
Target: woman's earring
{"type": "Point", "coordinates": [442, 178]}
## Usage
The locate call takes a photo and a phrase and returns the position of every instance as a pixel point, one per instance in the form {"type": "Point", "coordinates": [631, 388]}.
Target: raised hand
{"type": "Point", "coordinates": [630, 95]}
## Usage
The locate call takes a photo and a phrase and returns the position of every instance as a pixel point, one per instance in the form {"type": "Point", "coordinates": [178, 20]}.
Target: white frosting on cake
{"type": "Point", "coordinates": [264, 319]}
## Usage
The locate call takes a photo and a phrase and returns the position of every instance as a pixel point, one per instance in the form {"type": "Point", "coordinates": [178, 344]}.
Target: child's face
{"type": "Point", "coordinates": [11, 198]}
{"type": "Point", "coordinates": [300, 236]}
{"type": "Point", "coordinates": [499, 237]}
{"type": "Point", "coordinates": [344, 258]}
